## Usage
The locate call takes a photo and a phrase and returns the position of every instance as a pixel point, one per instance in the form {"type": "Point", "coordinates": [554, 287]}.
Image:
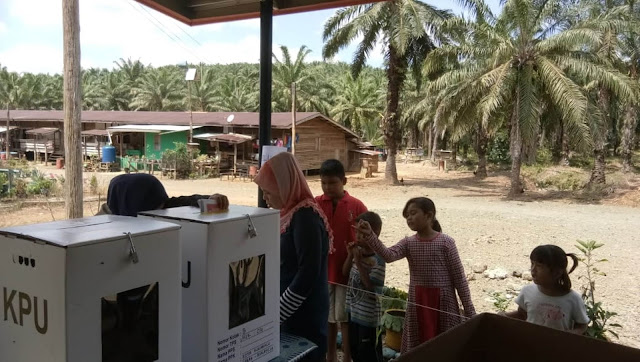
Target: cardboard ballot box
{"type": "Point", "coordinates": [492, 338]}
{"type": "Point", "coordinates": [83, 290]}
{"type": "Point", "coordinates": [231, 283]}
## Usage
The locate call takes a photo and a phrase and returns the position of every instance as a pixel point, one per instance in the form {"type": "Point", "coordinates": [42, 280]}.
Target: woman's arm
{"type": "Point", "coordinates": [456, 271]}
{"type": "Point", "coordinates": [308, 233]}
{"type": "Point", "coordinates": [192, 200]}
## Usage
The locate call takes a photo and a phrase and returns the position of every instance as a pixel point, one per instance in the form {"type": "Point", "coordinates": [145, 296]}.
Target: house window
{"type": "Point", "coordinates": [156, 142]}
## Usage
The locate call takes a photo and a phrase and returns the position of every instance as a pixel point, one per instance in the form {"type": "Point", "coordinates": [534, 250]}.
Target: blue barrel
{"type": "Point", "coordinates": [108, 154]}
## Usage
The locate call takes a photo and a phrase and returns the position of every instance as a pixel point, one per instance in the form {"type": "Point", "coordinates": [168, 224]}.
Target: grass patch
{"type": "Point", "coordinates": [555, 178]}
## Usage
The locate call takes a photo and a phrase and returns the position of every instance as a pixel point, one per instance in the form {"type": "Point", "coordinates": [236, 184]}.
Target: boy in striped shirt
{"type": "Point", "coordinates": [366, 276]}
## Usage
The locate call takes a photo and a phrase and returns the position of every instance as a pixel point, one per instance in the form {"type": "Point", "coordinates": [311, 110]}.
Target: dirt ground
{"type": "Point", "coordinates": [488, 228]}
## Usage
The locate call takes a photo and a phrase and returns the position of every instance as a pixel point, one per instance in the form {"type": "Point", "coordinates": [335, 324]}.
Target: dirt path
{"type": "Point", "coordinates": [488, 229]}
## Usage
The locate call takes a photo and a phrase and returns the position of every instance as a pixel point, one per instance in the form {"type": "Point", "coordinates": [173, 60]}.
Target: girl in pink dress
{"type": "Point", "coordinates": [435, 273]}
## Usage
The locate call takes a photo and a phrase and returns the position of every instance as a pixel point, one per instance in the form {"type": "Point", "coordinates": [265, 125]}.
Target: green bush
{"type": "Point", "coordinates": [4, 180]}
{"type": "Point", "coordinates": [600, 325]}
{"type": "Point", "coordinates": [393, 298]}
{"type": "Point", "coordinates": [544, 157]}
{"type": "Point", "coordinates": [93, 185]}
{"type": "Point", "coordinates": [498, 151]}
{"type": "Point", "coordinates": [19, 189]}
{"type": "Point", "coordinates": [41, 185]}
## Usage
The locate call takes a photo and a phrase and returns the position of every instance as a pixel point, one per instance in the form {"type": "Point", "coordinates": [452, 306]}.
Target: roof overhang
{"type": "Point", "coordinates": [199, 12]}
{"type": "Point", "coordinates": [233, 138]}
{"type": "Point", "coordinates": [148, 128]}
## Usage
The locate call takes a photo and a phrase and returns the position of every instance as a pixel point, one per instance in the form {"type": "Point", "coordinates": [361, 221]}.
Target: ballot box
{"type": "Point", "coordinates": [230, 282]}
{"type": "Point", "coordinates": [103, 288]}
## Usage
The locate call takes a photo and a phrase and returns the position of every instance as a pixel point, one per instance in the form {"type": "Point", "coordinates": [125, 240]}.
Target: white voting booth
{"type": "Point", "coordinates": [230, 280]}
{"type": "Point", "coordinates": [104, 288]}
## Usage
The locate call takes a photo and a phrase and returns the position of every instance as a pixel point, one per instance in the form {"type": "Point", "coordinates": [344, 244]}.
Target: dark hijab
{"type": "Point", "coordinates": [130, 194]}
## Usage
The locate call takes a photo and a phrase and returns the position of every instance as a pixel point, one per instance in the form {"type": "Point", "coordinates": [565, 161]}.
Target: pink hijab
{"type": "Point", "coordinates": [281, 175]}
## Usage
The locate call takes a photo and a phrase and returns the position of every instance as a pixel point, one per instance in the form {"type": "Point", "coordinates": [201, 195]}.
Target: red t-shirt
{"type": "Point", "coordinates": [341, 221]}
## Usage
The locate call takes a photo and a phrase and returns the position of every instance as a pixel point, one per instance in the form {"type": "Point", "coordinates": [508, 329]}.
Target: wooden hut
{"type": "Point", "coordinates": [317, 136]}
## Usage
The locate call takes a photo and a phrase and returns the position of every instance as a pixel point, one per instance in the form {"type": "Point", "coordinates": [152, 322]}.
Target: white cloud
{"type": "Point", "coordinates": [37, 13]}
{"type": "Point", "coordinates": [33, 58]}
{"type": "Point", "coordinates": [3, 28]}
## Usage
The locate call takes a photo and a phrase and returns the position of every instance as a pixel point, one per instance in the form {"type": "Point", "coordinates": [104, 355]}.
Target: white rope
{"type": "Point", "coordinates": [401, 300]}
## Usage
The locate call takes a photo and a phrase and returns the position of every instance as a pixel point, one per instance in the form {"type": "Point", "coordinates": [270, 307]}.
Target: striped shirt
{"type": "Point", "coordinates": [364, 307]}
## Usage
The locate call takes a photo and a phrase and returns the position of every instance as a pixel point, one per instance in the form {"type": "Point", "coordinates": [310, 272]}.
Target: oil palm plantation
{"type": "Point", "coordinates": [311, 89]}
{"type": "Point", "coordinates": [159, 89]}
{"type": "Point", "coordinates": [521, 60]}
{"type": "Point", "coordinates": [405, 28]}
{"type": "Point", "coordinates": [357, 102]}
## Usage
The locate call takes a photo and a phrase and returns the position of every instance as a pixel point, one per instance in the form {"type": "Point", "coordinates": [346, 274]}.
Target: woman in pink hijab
{"type": "Point", "coordinates": [304, 245]}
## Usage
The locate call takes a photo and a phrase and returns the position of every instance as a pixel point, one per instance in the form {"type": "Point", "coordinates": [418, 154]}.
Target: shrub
{"type": "Point", "coordinates": [393, 298]}
{"type": "Point", "coordinates": [498, 151]}
{"type": "Point", "coordinates": [600, 325]}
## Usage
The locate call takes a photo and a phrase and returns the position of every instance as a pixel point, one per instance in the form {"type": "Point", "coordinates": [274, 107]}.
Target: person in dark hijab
{"type": "Point", "coordinates": [130, 194]}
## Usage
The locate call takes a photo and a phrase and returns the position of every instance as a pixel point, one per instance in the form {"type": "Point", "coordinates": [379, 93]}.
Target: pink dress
{"type": "Point", "coordinates": [435, 273]}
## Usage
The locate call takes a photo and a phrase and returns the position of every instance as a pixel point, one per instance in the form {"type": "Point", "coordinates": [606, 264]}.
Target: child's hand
{"type": "Point", "coordinates": [350, 247]}
{"type": "Point", "coordinates": [363, 229]}
{"type": "Point", "coordinates": [357, 254]}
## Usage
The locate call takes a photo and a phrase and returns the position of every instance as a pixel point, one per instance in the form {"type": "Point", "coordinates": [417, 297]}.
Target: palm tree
{"type": "Point", "coordinates": [630, 45]}
{"type": "Point", "coordinates": [159, 89]}
{"type": "Point", "coordinates": [311, 89]}
{"type": "Point", "coordinates": [357, 102]}
{"type": "Point", "coordinates": [236, 94]}
{"type": "Point", "coordinates": [372, 133]}
{"type": "Point", "coordinates": [522, 59]}
{"type": "Point", "coordinates": [205, 90]}
{"type": "Point", "coordinates": [404, 27]}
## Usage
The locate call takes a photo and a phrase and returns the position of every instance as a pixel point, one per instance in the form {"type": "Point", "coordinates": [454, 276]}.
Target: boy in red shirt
{"type": "Point", "coordinates": [341, 210]}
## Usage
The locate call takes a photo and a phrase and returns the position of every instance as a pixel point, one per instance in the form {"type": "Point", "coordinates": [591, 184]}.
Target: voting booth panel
{"type": "Point", "coordinates": [104, 288]}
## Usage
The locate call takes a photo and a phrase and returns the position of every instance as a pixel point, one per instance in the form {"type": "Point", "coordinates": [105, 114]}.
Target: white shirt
{"type": "Point", "coordinates": [555, 312]}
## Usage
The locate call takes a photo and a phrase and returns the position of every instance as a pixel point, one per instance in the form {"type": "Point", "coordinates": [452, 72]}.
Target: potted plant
{"type": "Point", "coordinates": [392, 321]}
{"type": "Point", "coordinates": [394, 303]}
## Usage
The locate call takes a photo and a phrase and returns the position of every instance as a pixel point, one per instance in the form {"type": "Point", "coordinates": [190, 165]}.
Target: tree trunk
{"type": "Point", "coordinates": [434, 147]}
{"type": "Point", "coordinates": [430, 142]}
{"type": "Point", "coordinates": [515, 149]}
{"type": "Point", "coordinates": [600, 141]}
{"type": "Point", "coordinates": [628, 136]}
{"type": "Point", "coordinates": [72, 106]}
{"type": "Point", "coordinates": [482, 142]}
{"type": "Point", "coordinates": [390, 126]}
{"type": "Point", "coordinates": [629, 128]}
{"type": "Point", "coordinates": [561, 148]}
{"type": "Point", "coordinates": [7, 136]}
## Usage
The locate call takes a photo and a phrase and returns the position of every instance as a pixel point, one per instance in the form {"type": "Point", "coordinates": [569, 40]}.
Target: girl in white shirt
{"type": "Point", "coordinates": [550, 301]}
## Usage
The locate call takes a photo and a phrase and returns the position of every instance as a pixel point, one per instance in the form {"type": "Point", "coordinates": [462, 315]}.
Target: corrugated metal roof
{"type": "Point", "coordinates": [3, 129]}
{"type": "Point", "coordinates": [151, 128]}
{"type": "Point", "coordinates": [367, 152]}
{"type": "Point", "coordinates": [281, 120]}
{"type": "Point", "coordinates": [42, 131]}
{"type": "Point", "coordinates": [224, 137]}
{"type": "Point", "coordinates": [95, 132]}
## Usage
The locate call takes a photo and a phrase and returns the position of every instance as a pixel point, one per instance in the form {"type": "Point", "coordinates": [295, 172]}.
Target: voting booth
{"type": "Point", "coordinates": [230, 282]}
{"type": "Point", "coordinates": [103, 288]}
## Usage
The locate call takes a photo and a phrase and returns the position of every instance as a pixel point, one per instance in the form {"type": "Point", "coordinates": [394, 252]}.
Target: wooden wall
{"type": "Point", "coordinates": [320, 141]}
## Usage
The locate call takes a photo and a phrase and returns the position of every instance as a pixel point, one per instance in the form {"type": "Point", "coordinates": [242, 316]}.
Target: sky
{"type": "Point", "coordinates": [31, 36]}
